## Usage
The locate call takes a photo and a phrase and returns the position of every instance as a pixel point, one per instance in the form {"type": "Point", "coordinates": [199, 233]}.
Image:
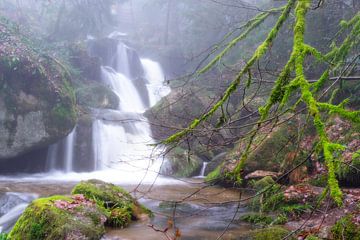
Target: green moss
{"type": "Point", "coordinates": [44, 220]}
{"type": "Point", "coordinates": [119, 217]}
{"type": "Point", "coordinates": [4, 236]}
{"type": "Point", "coordinates": [183, 163]}
{"type": "Point", "coordinates": [271, 233]}
{"type": "Point", "coordinates": [259, 219]}
{"type": "Point", "coordinates": [62, 114]}
{"type": "Point", "coordinates": [119, 204]}
{"type": "Point", "coordinates": [214, 175]}
{"type": "Point", "coordinates": [110, 194]}
{"type": "Point", "coordinates": [269, 196]}
{"type": "Point", "coordinates": [345, 229]}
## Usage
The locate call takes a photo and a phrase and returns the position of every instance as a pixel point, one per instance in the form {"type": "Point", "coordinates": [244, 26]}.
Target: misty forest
{"type": "Point", "coordinates": [179, 119]}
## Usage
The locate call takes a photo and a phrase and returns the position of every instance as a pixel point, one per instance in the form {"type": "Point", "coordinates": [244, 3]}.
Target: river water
{"type": "Point", "coordinates": [202, 212]}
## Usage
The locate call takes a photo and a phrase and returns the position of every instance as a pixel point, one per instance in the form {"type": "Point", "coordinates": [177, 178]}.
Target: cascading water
{"type": "Point", "coordinates": [156, 79]}
{"type": "Point", "coordinates": [121, 139]}
{"type": "Point", "coordinates": [64, 161]}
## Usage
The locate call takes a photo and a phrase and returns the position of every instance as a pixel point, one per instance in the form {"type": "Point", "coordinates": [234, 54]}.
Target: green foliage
{"type": "Point", "coordinates": [292, 78]}
{"type": "Point", "coordinates": [295, 210]}
{"type": "Point", "coordinates": [4, 236]}
{"type": "Point", "coordinates": [269, 195]}
{"type": "Point", "coordinates": [119, 217]}
{"type": "Point", "coordinates": [271, 233]}
{"type": "Point", "coordinates": [261, 50]}
{"type": "Point", "coordinates": [345, 229]}
{"type": "Point", "coordinates": [258, 219]}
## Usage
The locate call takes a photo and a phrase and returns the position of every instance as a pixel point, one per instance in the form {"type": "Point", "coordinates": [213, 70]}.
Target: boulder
{"type": "Point", "coordinates": [60, 217]}
{"type": "Point", "coordinates": [180, 164]}
{"type": "Point", "coordinates": [37, 101]}
{"type": "Point", "coordinates": [83, 215]}
{"type": "Point", "coordinates": [122, 207]}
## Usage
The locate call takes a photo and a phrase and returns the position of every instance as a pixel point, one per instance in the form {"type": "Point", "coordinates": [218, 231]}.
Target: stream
{"type": "Point", "coordinates": [119, 151]}
{"type": "Point", "coordinates": [200, 216]}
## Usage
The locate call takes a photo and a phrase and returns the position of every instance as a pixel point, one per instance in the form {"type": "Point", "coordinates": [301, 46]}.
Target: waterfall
{"type": "Point", "coordinates": [130, 100]}
{"type": "Point", "coordinates": [203, 169]}
{"type": "Point", "coordinates": [69, 151]}
{"type": "Point", "coordinates": [120, 139]}
{"type": "Point", "coordinates": [64, 158]}
{"type": "Point", "coordinates": [156, 78]}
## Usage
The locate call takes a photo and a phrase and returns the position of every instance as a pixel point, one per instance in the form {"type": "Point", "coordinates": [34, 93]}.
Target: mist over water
{"type": "Point", "coordinates": [121, 139]}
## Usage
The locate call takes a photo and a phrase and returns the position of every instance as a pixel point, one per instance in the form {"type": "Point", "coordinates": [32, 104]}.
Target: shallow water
{"type": "Point", "coordinates": [202, 212]}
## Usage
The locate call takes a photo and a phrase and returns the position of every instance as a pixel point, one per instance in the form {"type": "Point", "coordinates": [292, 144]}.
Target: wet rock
{"type": "Point", "coordinates": [215, 162]}
{"type": "Point", "coordinates": [179, 163]}
{"type": "Point", "coordinates": [37, 102]}
{"type": "Point", "coordinates": [122, 207]}
{"type": "Point", "coordinates": [60, 217]}
{"type": "Point", "coordinates": [259, 174]}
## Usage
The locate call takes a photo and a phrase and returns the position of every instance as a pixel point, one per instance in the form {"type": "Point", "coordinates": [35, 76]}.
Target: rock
{"type": "Point", "coordinates": [215, 162]}
{"type": "Point", "coordinates": [302, 193]}
{"type": "Point", "coordinates": [11, 199]}
{"type": "Point", "coordinates": [180, 164]}
{"type": "Point", "coordinates": [37, 101]}
{"type": "Point", "coordinates": [60, 217]}
{"type": "Point", "coordinates": [83, 215]}
{"type": "Point", "coordinates": [94, 95]}
{"type": "Point", "coordinates": [121, 205]}
{"type": "Point", "coordinates": [114, 53]}
{"type": "Point", "coordinates": [259, 174]}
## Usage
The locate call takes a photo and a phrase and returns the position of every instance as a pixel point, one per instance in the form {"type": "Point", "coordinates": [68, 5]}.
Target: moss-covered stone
{"type": "Point", "coordinates": [271, 233]}
{"type": "Point", "coordinates": [122, 207]}
{"type": "Point", "coordinates": [60, 217]}
{"type": "Point", "coordinates": [37, 100]}
{"type": "Point", "coordinates": [94, 95]}
{"type": "Point", "coordinates": [182, 164]}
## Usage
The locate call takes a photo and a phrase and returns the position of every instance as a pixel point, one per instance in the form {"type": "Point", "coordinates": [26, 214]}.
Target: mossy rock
{"type": "Point", "coordinates": [270, 233]}
{"type": "Point", "coordinates": [122, 207]}
{"type": "Point", "coordinates": [37, 100]}
{"type": "Point", "coordinates": [94, 95]}
{"type": "Point", "coordinates": [181, 164]}
{"type": "Point", "coordinates": [60, 217]}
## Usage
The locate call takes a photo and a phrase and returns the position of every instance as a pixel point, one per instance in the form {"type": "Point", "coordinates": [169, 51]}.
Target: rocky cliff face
{"type": "Point", "coordinates": [37, 103]}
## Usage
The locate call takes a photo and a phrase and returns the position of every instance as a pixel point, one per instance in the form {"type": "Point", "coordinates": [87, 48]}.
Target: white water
{"type": "Point", "coordinates": [67, 158]}
{"type": "Point", "coordinates": [156, 79]}
{"type": "Point", "coordinates": [130, 100]}
{"type": "Point", "coordinates": [121, 139]}
{"type": "Point", "coordinates": [69, 150]}
{"type": "Point", "coordinates": [11, 216]}
{"type": "Point", "coordinates": [202, 171]}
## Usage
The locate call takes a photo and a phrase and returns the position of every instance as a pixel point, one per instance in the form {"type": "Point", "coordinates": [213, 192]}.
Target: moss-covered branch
{"type": "Point", "coordinates": [260, 51]}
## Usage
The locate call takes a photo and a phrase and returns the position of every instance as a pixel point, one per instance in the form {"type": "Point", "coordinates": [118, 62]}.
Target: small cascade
{"type": "Point", "coordinates": [130, 100]}
{"type": "Point", "coordinates": [69, 151]}
{"type": "Point", "coordinates": [122, 63]}
{"type": "Point", "coordinates": [202, 171]}
{"type": "Point", "coordinates": [52, 157]}
{"type": "Point", "coordinates": [61, 154]}
{"type": "Point", "coordinates": [156, 78]}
